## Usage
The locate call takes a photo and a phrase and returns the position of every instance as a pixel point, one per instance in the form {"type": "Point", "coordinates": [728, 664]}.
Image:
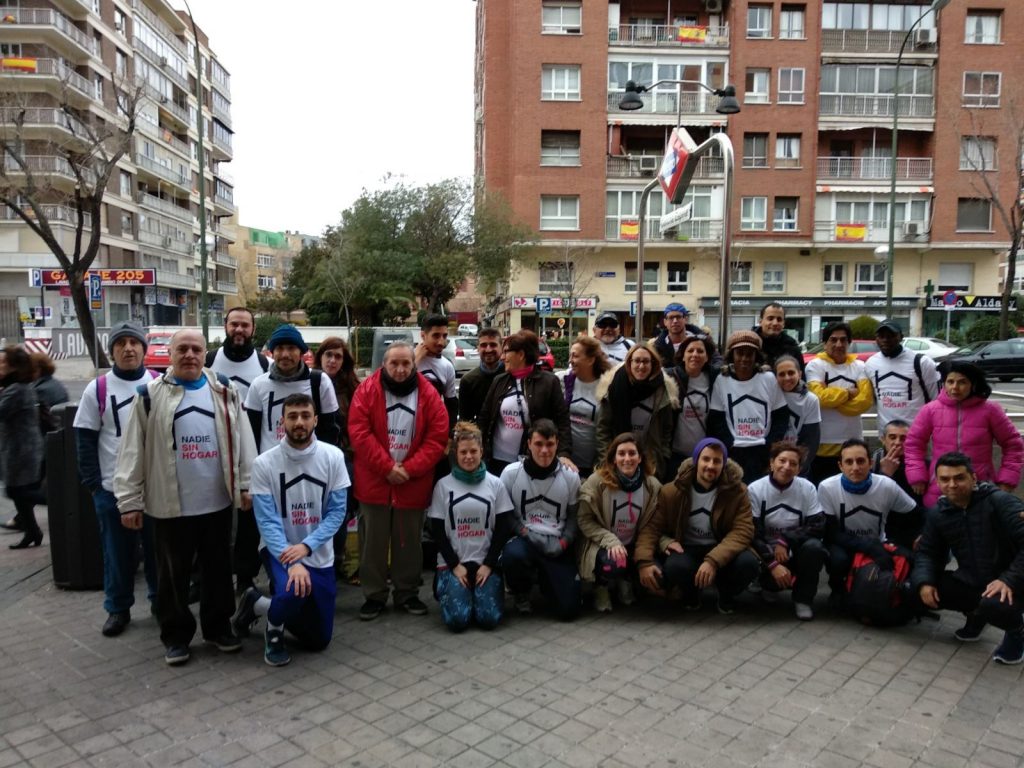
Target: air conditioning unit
{"type": "Point", "coordinates": [649, 162]}
{"type": "Point", "coordinates": [163, 99]}
{"type": "Point", "coordinates": [912, 229]}
{"type": "Point", "coordinates": [163, 61]}
{"type": "Point", "coordinates": [167, 242]}
{"type": "Point", "coordinates": [926, 37]}
{"type": "Point", "coordinates": [119, 27]}
{"type": "Point", "coordinates": [713, 6]}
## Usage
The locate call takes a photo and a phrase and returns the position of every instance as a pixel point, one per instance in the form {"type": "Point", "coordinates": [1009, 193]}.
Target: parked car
{"type": "Point", "coordinates": [929, 345]}
{"type": "Point", "coordinates": [1003, 360]}
{"type": "Point", "coordinates": [862, 348]}
{"type": "Point", "coordinates": [469, 329]}
{"type": "Point", "coordinates": [547, 357]}
{"type": "Point", "coordinates": [158, 351]}
{"type": "Point", "coordinates": [461, 350]}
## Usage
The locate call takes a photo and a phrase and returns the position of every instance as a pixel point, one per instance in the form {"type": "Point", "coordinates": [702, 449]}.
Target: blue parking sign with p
{"type": "Point", "coordinates": [543, 305]}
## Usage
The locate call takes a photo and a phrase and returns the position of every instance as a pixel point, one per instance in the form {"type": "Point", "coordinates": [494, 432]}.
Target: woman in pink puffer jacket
{"type": "Point", "coordinates": [962, 419]}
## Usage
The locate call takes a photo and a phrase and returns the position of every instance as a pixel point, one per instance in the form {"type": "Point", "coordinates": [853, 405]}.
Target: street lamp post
{"type": "Point", "coordinates": [204, 284]}
{"type": "Point", "coordinates": [727, 106]}
{"type": "Point", "coordinates": [891, 257]}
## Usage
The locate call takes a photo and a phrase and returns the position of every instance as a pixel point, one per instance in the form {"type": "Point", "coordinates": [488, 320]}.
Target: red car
{"type": "Point", "coordinates": [547, 358]}
{"type": "Point", "coordinates": [158, 353]}
{"type": "Point", "coordinates": [307, 357]}
{"type": "Point", "coordinates": [862, 348]}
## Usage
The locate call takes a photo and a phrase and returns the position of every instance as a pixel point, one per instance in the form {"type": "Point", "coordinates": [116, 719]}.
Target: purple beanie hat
{"type": "Point", "coordinates": [712, 441]}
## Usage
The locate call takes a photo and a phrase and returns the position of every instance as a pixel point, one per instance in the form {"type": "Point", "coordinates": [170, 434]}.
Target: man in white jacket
{"type": "Point", "coordinates": [184, 462]}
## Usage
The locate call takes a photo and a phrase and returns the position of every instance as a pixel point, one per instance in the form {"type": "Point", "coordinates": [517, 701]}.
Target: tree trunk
{"type": "Point", "coordinates": [1009, 279]}
{"type": "Point", "coordinates": [80, 298]}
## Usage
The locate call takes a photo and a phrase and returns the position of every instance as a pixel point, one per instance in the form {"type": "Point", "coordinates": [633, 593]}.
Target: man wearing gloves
{"type": "Point", "coordinates": [298, 490]}
{"type": "Point", "coordinates": [103, 414]}
{"type": "Point", "coordinates": [546, 496]}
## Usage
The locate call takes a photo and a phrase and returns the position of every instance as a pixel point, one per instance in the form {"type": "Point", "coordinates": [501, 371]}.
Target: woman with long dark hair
{"type": "Point", "coordinates": [587, 363]}
{"type": "Point", "coordinates": [21, 444]}
{"type": "Point", "coordinates": [804, 410]}
{"type": "Point", "coordinates": [694, 374]}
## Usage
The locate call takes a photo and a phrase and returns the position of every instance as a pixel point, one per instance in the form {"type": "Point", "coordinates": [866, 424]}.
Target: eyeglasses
{"type": "Point", "coordinates": [675, 318]}
{"type": "Point", "coordinates": [638, 361]}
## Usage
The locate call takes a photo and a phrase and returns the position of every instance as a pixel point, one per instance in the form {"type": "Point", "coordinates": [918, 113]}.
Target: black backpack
{"type": "Point", "coordinates": [880, 597]}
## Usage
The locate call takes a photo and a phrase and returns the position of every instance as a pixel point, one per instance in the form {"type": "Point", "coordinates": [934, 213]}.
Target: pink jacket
{"type": "Point", "coordinates": [970, 427]}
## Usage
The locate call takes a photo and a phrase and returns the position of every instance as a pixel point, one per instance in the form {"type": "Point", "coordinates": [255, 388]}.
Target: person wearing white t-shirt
{"type": "Point", "coordinates": [299, 495]}
{"type": "Point", "coordinates": [101, 419]}
{"type": "Point", "coordinates": [903, 380]}
{"type": "Point", "coordinates": [434, 366]}
{"type": "Point", "coordinates": [470, 518]}
{"type": "Point", "coordinates": [614, 344]}
{"type": "Point", "coordinates": [857, 504]}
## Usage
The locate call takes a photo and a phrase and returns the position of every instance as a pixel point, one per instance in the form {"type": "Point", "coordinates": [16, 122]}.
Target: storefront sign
{"type": "Point", "coordinates": [57, 277]}
{"type": "Point", "coordinates": [813, 303]}
{"type": "Point", "coordinates": [68, 342]}
{"type": "Point", "coordinates": [973, 303]}
{"type": "Point", "coordinates": [557, 302]}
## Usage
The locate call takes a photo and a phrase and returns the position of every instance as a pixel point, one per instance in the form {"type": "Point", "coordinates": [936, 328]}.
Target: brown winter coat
{"type": "Point", "coordinates": [594, 519]}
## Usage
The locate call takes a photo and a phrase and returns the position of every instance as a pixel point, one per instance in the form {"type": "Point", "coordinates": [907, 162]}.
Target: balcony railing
{"type": "Point", "coordinates": [664, 102]}
{"type": "Point", "coordinates": [875, 105]}
{"type": "Point", "coordinates": [168, 279]}
{"type": "Point", "coordinates": [871, 41]}
{"type": "Point", "coordinates": [165, 136]}
{"type": "Point", "coordinates": [646, 167]}
{"type": "Point", "coordinates": [165, 172]}
{"type": "Point", "coordinates": [874, 168]}
{"type": "Point", "coordinates": [869, 231]}
{"type": "Point", "coordinates": [161, 26]}
{"type": "Point", "coordinates": [222, 144]}
{"type": "Point", "coordinates": [51, 68]}
{"type": "Point", "coordinates": [672, 35]}
{"type": "Point", "coordinates": [159, 62]}
{"type": "Point", "coordinates": [221, 257]}
{"type": "Point", "coordinates": [695, 230]}
{"type": "Point", "coordinates": [50, 18]}
{"type": "Point", "coordinates": [42, 116]}
{"type": "Point", "coordinates": [155, 203]}
{"type": "Point", "coordinates": [175, 109]}
{"type": "Point", "coordinates": [55, 214]}
{"type": "Point", "coordinates": [226, 287]}
{"type": "Point", "coordinates": [47, 165]}
{"type": "Point", "coordinates": [224, 115]}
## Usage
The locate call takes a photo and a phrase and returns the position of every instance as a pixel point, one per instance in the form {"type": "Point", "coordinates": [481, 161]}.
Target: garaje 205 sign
{"type": "Point", "coordinates": [57, 277]}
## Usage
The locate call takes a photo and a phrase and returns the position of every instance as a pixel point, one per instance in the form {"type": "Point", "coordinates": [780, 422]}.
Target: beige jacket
{"type": "Point", "coordinates": [146, 475]}
{"type": "Point", "coordinates": [595, 520]}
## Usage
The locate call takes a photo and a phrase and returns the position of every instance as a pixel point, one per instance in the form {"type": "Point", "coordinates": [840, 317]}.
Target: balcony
{"type": "Point", "coordinates": [693, 231]}
{"type": "Point", "coordinates": [162, 27]}
{"type": "Point", "coordinates": [47, 167]}
{"type": "Point", "coordinates": [223, 201]}
{"type": "Point", "coordinates": [160, 62]}
{"type": "Point", "coordinates": [156, 168]}
{"type": "Point", "coordinates": [223, 286]}
{"type": "Point", "coordinates": [907, 231]}
{"type": "Point", "coordinates": [154, 203]}
{"type": "Point", "coordinates": [876, 41]}
{"type": "Point", "coordinates": [165, 136]}
{"type": "Point", "coordinates": [166, 279]}
{"type": "Point", "coordinates": [55, 214]}
{"type": "Point", "coordinates": [221, 147]}
{"type": "Point", "coordinates": [178, 111]}
{"type": "Point", "coordinates": [221, 257]}
{"type": "Point", "coordinates": [52, 71]}
{"type": "Point", "coordinates": [38, 120]}
{"type": "Point", "coordinates": [875, 105]}
{"type": "Point", "coordinates": [161, 239]}
{"type": "Point", "coordinates": [697, 103]}
{"type": "Point", "coordinates": [668, 36]}
{"type": "Point", "coordinates": [875, 169]}
{"type": "Point", "coordinates": [646, 167]}
{"type": "Point", "coordinates": [26, 23]}
{"type": "Point", "coordinates": [224, 115]}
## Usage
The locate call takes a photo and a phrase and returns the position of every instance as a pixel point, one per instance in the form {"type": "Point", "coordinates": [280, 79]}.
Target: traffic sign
{"type": "Point", "coordinates": [543, 304]}
{"type": "Point", "coordinates": [949, 298]}
{"type": "Point", "coordinates": [561, 322]}
{"type": "Point", "coordinates": [632, 309]}
{"type": "Point", "coordinates": [676, 168]}
{"type": "Point", "coordinates": [674, 218]}
{"type": "Point", "coordinates": [95, 290]}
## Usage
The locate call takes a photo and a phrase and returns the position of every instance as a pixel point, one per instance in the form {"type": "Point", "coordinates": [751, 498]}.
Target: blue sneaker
{"type": "Point", "coordinates": [177, 655]}
{"type": "Point", "coordinates": [1011, 650]}
{"type": "Point", "coordinates": [275, 653]}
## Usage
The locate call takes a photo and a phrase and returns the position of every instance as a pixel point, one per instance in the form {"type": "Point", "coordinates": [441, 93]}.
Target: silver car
{"type": "Point", "coordinates": [461, 351]}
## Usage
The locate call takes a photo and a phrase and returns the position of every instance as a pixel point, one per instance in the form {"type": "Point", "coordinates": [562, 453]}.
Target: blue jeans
{"type": "Point", "coordinates": [310, 619]}
{"type": "Point", "coordinates": [120, 545]}
{"type": "Point", "coordinates": [460, 605]}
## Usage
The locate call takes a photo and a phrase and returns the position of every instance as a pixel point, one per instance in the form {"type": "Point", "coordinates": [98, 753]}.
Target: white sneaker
{"type": "Point", "coordinates": [803, 611]}
{"type": "Point", "coordinates": [602, 600]}
{"type": "Point", "coordinates": [626, 594]}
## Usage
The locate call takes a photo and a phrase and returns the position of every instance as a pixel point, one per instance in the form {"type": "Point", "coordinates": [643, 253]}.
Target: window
{"type": "Point", "coordinates": [870, 278]}
{"type": "Point", "coordinates": [126, 224]}
{"type": "Point", "coordinates": [561, 18]}
{"type": "Point", "coordinates": [119, 21]}
{"type": "Point", "coordinates": [553, 276]}
{"type": "Point", "coordinates": [981, 89]}
{"type": "Point", "coordinates": [754, 213]}
{"type": "Point", "coordinates": [954, 277]}
{"type": "Point", "coordinates": [266, 282]}
{"type": "Point", "coordinates": [846, 89]}
{"type": "Point", "coordinates": [973, 215]}
{"type": "Point", "coordinates": [97, 87]}
{"type": "Point", "coordinates": [834, 278]}
{"type": "Point", "coordinates": [773, 277]}
{"type": "Point", "coordinates": [265, 260]}
{"type": "Point", "coordinates": [982, 27]}
{"type": "Point", "coordinates": [755, 150]}
{"type": "Point", "coordinates": [787, 150]}
{"type": "Point", "coordinates": [120, 62]}
{"type": "Point", "coordinates": [741, 276]}
{"type": "Point", "coordinates": [10, 49]}
{"type": "Point", "coordinates": [791, 22]}
{"type": "Point", "coordinates": [126, 184]}
{"type": "Point", "coordinates": [559, 213]}
{"type": "Point", "coordinates": [650, 276]}
{"type": "Point", "coordinates": [977, 153]}
{"type": "Point", "coordinates": [757, 86]}
{"type": "Point", "coordinates": [759, 21]}
{"type": "Point", "coordinates": [559, 147]}
{"type": "Point", "coordinates": [678, 276]}
{"type": "Point", "coordinates": [560, 82]}
{"type": "Point", "coordinates": [784, 216]}
{"type": "Point", "coordinates": [791, 86]}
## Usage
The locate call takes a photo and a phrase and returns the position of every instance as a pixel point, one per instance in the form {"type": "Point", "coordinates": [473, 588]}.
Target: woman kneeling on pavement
{"type": "Point", "coordinates": [614, 502]}
{"type": "Point", "coordinates": [470, 518]}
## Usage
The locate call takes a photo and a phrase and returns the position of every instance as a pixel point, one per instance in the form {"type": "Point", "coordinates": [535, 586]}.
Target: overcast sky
{"type": "Point", "coordinates": [328, 97]}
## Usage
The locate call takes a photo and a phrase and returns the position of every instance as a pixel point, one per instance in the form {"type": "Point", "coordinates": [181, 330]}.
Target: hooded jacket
{"type": "Point", "coordinates": [731, 520]}
{"type": "Point", "coordinates": [969, 426]}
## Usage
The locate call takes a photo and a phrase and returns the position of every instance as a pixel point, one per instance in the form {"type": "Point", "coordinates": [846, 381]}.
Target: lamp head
{"type": "Point", "coordinates": [631, 98]}
{"type": "Point", "coordinates": [729, 105]}
{"type": "Point", "coordinates": [938, 5]}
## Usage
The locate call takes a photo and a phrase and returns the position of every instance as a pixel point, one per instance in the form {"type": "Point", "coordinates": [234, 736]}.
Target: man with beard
{"type": "Point", "coordinates": [614, 344]}
{"type": "Point", "coordinates": [677, 328]}
{"type": "Point", "coordinates": [298, 493]}
{"type": "Point", "coordinates": [903, 380]}
{"type": "Point", "coordinates": [775, 342]}
{"type": "Point", "coordinates": [474, 385]}
{"type": "Point", "coordinates": [237, 358]}
{"type": "Point", "coordinates": [434, 366]}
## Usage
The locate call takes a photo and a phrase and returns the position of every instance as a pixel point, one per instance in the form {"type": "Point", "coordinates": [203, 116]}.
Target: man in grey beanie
{"type": "Point", "coordinates": [102, 418]}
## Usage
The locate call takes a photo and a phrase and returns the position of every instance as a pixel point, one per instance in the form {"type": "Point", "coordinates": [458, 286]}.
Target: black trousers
{"type": "Point", "coordinates": [178, 541]}
{"type": "Point", "coordinates": [247, 547]}
{"type": "Point", "coordinates": [805, 563]}
{"type": "Point", "coordinates": [679, 570]}
{"type": "Point", "coordinates": [753, 459]}
{"type": "Point", "coordinates": [955, 594]}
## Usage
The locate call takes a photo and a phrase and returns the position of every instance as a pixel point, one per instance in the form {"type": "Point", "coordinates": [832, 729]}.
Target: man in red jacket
{"type": "Point", "coordinates": [398, 427]}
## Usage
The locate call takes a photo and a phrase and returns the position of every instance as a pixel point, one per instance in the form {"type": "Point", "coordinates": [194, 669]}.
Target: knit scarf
{"type": "Point", "coordinates": [623, 395]}
{"type": "Point", "coordinates": [470, 478]}
{"type": "Point", "coordinates": [522, 373]}
{"type": "Point", "coordinates": [129, 375]}
{"type": "Point", "coordinates": [301, 373]}
{"type": "Point", "coordinates": [629, 484]}
{"type": "Point", "coordinates": [398, 388]}
{"type": "Point", "coordinates": [537, 472]}
{"type": "Point", "coordinates": [197, 384]}
{"type": "Point", "coordinates": [852, 487]}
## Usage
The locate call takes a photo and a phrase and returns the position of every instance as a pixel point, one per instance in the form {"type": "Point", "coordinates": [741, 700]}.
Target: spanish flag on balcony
{"type": "Point", "coordinates": [851, 233]}
{"type": "Point", "coordinates": [629, 229]}
{"type": "Point", "coordinates": [21, 63]}
{"type": "Point", "coordinates": [692, 34]}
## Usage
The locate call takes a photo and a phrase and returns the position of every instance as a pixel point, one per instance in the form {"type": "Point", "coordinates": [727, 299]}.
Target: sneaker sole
{"type": "Point", "coordinates": [270, 663]}
{"type": "Point", "coordinates": [369, 616]}
{"type": "Point", "coordinates": [1008, 662]}
{"type": "Point", "coordinates": [177, 661]}
{"type": "Point", "coordinates": [225, 648]}
{"type": "Point", "coordinates": [974, 639]}
{"type": "Point", "coordinates": [415, 611]}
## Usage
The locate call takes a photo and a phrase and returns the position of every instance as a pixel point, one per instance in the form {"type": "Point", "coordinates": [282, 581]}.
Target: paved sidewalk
{"type": "Point", "coordinates": [642, 687]}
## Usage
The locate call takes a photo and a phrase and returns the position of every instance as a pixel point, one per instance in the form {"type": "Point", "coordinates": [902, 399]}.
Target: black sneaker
{"type": "Point", "coordinates": [371, 610]}
{"type": "Point", "coordinates": [971, 631]}
{"type": "Point", "coordinates": [726, 605]}
{"type": "Point", "coordinates": [245, 615]}
{"type": "Point", "coordinates": [116, 623]}
{"type": "Point", "coordinates": [415, 606]}
{"type": "Point", "coordinates": [177, 655]}
{"type": "Point", "coordinates": [1011, 650]}
{"type": "Point", "coordinates": [275, 653]}
{"type": "Point", "coordinates": [226, 643]}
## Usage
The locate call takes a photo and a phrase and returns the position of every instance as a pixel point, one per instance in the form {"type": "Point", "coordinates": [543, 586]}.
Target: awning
{"type": "Point", "coordinates": [873, 188]}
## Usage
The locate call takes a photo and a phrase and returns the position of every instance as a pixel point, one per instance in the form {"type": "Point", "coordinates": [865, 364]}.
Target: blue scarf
{"type": "Point", "coordinates": [852, 487]}
{"type": "Point", "coordinates": [197, 384]}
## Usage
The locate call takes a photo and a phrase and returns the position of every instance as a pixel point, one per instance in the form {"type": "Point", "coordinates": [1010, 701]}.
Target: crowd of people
{"type": "Point", "coordinates": [660, 469]}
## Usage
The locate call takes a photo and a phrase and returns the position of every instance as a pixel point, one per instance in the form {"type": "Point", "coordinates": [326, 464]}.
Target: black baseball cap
{"type": "Point", "coordinates": [607, 319]}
